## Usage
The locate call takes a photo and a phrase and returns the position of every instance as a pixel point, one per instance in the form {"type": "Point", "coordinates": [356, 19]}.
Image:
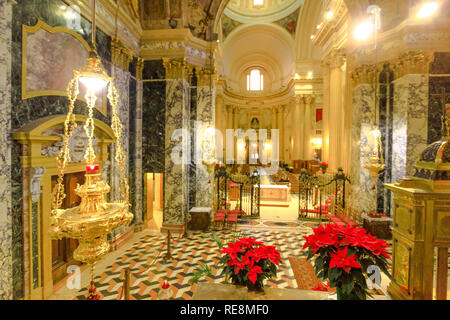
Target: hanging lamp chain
{"type": "Point", "coordinates": [70, 124]}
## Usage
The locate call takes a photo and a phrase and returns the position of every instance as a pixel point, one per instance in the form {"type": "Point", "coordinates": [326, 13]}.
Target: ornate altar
{"type": "Point", "coordinates": [421, 226]}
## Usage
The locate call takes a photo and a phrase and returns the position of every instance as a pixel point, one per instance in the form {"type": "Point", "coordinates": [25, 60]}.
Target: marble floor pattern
{"type": "Point", "coordinates": [187, 255]}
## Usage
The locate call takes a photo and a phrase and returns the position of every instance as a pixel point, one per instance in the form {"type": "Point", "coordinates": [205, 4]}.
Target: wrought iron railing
{"type": "Point", "coordinates": [319, 193]}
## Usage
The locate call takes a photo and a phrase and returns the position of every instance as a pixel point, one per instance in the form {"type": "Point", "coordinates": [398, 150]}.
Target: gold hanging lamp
{"type": "Point", "coordinates": [94, 218]}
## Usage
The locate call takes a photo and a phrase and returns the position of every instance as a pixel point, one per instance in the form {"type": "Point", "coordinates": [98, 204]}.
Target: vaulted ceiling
{"type": "Point", "coordinates": [272, 38]}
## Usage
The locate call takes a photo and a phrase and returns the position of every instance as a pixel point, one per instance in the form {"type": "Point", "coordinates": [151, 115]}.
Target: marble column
{"type": "Point", "coordinates": [206, 114]}
{"type": "Point", "coordinates": [6, 278]}
{"type": "Point", "coordinates": [410, 127]}
{"type": "Point", "coordinates": [138, 142]}
{"type": "Point", "coordinates": [336, 110]}
{"type": "Point", "coordinates": [308, 126]}
{"type": "Point", "coordinates": [326, 112]}
{"type": "Point", "coordinates": [363, 196]}
{"type": "Point", "coordinates": [274, 114]}
{"type": "Point", "coordinates": [299, 111]}
{"type": "Point", "coordinates": [236, 118]}
{"type": "Point", "coordinates": [177, 147]}
{"type": "Point", "coordinates": [280, 122]}
{"type": "Point", "coordinates": [229, 124]}
{"type": "Point", "coordinates": [120, 73]}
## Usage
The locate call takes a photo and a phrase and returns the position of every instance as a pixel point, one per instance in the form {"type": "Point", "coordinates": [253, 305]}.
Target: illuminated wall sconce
{"type": "Point", "coordinates": [297, 76]}
{"type": "Point", "coordinates": [329, 15]}
{"type": "Point", "coordinates": [313, 37]}
{"type": "Point", "coordinates": [310, 75]}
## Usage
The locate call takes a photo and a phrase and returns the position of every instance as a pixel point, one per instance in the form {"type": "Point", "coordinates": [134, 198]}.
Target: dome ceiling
{"type": "Point", "coordinates": [243, 11]}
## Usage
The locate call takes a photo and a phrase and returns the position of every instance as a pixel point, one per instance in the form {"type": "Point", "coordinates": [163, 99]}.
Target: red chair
{"type": "Point", "coordinates": [219, 219]}
{"type": "Point", "coordinates": [221, 213]}
{"type": "Point", "coordinates": [232, 218]}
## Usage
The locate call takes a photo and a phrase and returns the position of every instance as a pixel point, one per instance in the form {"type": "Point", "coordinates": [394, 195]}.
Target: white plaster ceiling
{"type": "Point", "coordinates": [272, 10]}
{"type": "Point", "coordinates": [270, 47]}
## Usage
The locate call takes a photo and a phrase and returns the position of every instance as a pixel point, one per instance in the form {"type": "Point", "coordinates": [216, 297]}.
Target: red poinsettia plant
{"type": "Point", "coordinates": [249, 262]}
{"type": "Point", "coordinates": [344, 255]}
{"type": "Point", "coordinates": [323, 166]}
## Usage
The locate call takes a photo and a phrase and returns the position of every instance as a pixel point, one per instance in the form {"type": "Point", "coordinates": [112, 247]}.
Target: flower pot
{"type": "Point", "coordinates": [345, 296]}
{"type": "Point", "coordinates": [257, 287]}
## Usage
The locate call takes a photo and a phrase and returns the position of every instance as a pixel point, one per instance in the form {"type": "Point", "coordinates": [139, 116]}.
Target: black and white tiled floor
{"type": "Point", "coordinates": [188, 254]}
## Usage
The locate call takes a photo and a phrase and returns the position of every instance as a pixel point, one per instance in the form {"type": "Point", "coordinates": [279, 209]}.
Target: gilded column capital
{"type": "Point", "coordinates": [207, 76]}
{"type": "Point", "coordinates": [229, 108]}
{"type": "Point", "coordinates": [365, 74]}
{"type": "Point", "coordinates": [274, 109]}
{"type": "Point", "coordinates": [298, 99]}
{"type": "Point", "coordinates": [177, 68]}
{"type": "Point", "coordinates": [309, 99]}
{"type": "Point", "coordinates": [412, 62]}
{"type": "Point", "coordinates": [139, 68]}
{"type": "Point", "coordinates": [336, 58]}
{"type": "Point", "coordinates": [120, 55]}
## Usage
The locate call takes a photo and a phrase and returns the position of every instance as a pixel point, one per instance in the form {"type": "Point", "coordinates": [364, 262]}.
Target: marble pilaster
{"type": "Point", "coordinates": [6, 278]}
{"type": "Point", "coordinates": [363, 196]}
{"type": "Point", "coordinates": [138, 148]}
{"type": "Point", "coordinates": [176, 184]}
{"type": "Point", "coordinates": [299, 111]}
{"type": "Point", "coordinates": [280, 121]}
{"type": "Point", "coordinates": [122, 83]}
{"type": "Point", "coordinates": [308, 126]}
{"type": "Point", "coordinates": [410, 125]}
{"type": "Point", "coordinates": [336, 109]}
{"type": "Point", "coordinates": [205, 115]}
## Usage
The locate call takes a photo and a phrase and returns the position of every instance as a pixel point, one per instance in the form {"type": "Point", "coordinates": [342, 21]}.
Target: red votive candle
{"type": "Point", "coordinates": [92, 168]}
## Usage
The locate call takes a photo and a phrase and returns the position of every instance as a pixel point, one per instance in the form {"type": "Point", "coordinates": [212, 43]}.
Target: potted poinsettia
{"type": "Point", "coordinates": [343, 256]}
{"type": "Point", "coordinates": [323, 166]}
{"type": "Point", "coordinates": [248, 262]}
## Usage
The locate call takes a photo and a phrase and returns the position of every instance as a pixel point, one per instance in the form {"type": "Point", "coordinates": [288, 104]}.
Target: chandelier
{"type": "Point", "coordinates": [94, 218]}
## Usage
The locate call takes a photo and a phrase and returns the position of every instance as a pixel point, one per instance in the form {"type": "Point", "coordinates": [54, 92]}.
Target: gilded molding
{"type": "Point", "coordinates": [139, 68]}
{"type": "Point", "coordinates": [120, 55]}
{"type": "Point", "coordinates": [206, 76]}
{"type": "Point", "coordinates": [365, 74]}
{"type": "Point", "coordinates": [336, 58]}
{"type": "Point", "coordinates": [177, 68]}
{"type": "Point", "coordinates": [412, 62]}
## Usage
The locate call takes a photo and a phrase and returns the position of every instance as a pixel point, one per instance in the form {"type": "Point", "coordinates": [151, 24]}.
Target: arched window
{"type": "Point", "coordinates": [258, 3]}
{"type": "Point", "coordinates": [255, 81]}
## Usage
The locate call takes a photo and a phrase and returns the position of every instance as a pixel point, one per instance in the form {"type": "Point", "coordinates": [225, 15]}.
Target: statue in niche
{"type": "Point", "coordinates": [254, 124]}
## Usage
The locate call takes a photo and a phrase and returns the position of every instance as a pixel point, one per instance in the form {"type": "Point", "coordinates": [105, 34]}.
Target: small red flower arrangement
{"type": "Point", "coordinates": [323, 166]}
{"type": "Point", "coordinates": [343, 256]}
{"type": "Point", "coordinates": [249, 262]}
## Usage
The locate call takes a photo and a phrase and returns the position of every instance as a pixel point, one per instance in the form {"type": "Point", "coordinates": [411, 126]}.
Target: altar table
{"type": "Point", "coordinates": [271, 192]}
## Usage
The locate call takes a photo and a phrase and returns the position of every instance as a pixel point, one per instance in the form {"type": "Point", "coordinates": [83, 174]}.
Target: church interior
{"type": "Point", "coordinates": [225, 150]}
